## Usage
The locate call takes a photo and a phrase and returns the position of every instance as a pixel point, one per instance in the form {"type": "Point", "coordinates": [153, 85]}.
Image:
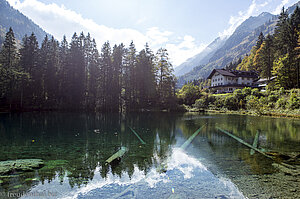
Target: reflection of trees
{"type": "Point", "coordinates": [71, 137]}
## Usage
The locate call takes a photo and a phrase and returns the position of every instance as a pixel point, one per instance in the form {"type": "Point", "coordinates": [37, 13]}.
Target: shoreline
{"type": "Point", "coordinates": [246, 112]}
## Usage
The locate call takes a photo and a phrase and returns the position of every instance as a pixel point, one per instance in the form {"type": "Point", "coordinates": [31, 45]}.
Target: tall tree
{"type": "Point", "coordinates": [165, 77]}
{"type": "Point", "coordinates": [264, 58]}
{"type": "Point", "coordinates": [106, 76]}
{"type": "Point", "coordinates": [11, 74]}
{"type": "Point", "coordinates": [63, 73]}
{"type": "Point", "coordinates": [76, 73]}
{"type": "Point", "coordinates": [117, 68]}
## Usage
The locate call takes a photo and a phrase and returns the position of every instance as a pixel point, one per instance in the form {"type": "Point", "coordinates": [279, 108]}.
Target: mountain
{"type": "Point", "coordinates": [21, 25]}
{"type": "Point", "coordinates": [201, 58]}
{"type": "Point", "coordinates": [236, 46]}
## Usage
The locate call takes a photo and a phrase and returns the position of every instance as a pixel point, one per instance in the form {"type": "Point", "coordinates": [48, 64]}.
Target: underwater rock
{"type": "Point", "coordinates": [7, 167]}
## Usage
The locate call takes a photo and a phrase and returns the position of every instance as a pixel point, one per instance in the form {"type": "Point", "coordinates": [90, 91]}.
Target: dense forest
{"type": "Point", "coordinates": [75, 76]}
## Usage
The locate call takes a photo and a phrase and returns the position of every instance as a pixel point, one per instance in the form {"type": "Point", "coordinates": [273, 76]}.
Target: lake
{"type": "Point", "coordinates": [75, 146]}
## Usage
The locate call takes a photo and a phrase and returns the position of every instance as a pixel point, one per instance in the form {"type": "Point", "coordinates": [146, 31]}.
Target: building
{"type": "Point", "coordinates": [226, 81]}
{"type": "Point", "coordinates": [263, 82]}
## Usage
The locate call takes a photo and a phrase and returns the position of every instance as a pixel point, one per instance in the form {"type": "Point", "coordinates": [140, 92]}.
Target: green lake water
{"type": "Point", "coordinates": [75, 146]}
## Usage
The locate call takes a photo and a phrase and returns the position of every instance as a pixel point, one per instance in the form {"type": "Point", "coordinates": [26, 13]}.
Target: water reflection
{"type": "Point", "coordinates": [75, 147]}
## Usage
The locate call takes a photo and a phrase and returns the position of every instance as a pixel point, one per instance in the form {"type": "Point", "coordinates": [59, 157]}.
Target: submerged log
{"type": "Point", "coordinates": [118, 154]}
{"type": "Point", "coordinates": [278, 164]}
{"type": "Point", "coordinates": [244, 143]}
{"type": "Point", "coordinates": [186, 143]}
{"type": "Point", "coordinates": [135, 133]}
{"type": "Point", "coordinates": [255, 143]}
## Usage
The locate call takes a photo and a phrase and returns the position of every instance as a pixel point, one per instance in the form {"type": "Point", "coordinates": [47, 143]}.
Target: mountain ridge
{"type": "Point", "coordinates": [21, 24]}
{"type": "Point", "coordinates": [236, 46]}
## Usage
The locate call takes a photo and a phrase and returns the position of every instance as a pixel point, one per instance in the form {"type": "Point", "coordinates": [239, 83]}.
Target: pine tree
{"type": "Point", "coordinates": [9, 50]}
{"type": "Point", "coordinates": [93, 76]}
{"type": "Point", "coordinates": [260, 40]}
{"type": "Point", "coordinates": [117, 67]}
{"type": "Point", "coordinates": [63, 73]}
{"type": "Point", "coordinates": [12, 76]}
{"type": "Point", "coordinates": [29, 57]}
{"type": "Point", "coordinates": [165, 77]}
{"type": "Point", "coordinates": [50, 60]}
{"type": "Point", "coordinates": [76, 74]}
{"type": "Point", "coordinates": [264, 58]}
{"type": "Point", "coordinates": [106, 77]}
{"type": "Point", "coordinates": [130, 77]}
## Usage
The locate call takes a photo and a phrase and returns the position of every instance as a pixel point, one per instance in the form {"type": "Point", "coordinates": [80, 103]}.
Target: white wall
{"type": "Point", "coordinates": [218, 79]}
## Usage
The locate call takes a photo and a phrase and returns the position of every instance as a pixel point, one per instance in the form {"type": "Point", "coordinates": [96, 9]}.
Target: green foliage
{"type": "Point", "coordinates": [281, 103]}
{"type": "Point", "coordinates": [294, 101]}
{"type": "Point", "coordinates": [273, 96]}
{"type": "Point", "coordinates": [188, 94]}
{"type": "Point", "coordinates": [231, 102]}
{"type": "Point", "coordinates": [255, 92]}
{"type": "Point", "coordinates": [251, 100]}
{"type": "Point", "coordinates": [253, 103]}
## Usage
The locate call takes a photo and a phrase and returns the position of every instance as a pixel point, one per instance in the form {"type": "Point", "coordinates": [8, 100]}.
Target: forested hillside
{"type": "Point", "coordinates": [278, 54]}
{"type": "Point", "coordinates": [238, 45]}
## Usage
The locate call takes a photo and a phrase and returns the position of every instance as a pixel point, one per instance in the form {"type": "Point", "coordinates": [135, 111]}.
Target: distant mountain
{"type": "Point", "coordinates": [21, 25]}
{"type": "Point", "coordinates": [236, 46]}
{"type": "Point", "coordinates": [201, 58]}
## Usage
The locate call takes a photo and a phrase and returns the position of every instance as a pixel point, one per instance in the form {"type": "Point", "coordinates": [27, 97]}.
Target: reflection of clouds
{"type": "Point", "coordinates": [192, 170]}
{"type": "Point", "coordinates": [183, 162]}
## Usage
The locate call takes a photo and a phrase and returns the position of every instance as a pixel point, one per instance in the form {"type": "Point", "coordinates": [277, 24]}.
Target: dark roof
{"type": "Point", "coordinates": [233, 73]}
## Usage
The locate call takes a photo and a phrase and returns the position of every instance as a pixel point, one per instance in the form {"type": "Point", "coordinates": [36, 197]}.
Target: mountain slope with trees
{"type": "Point", "coordinates": [201, 58]}
{"type": "Point", "coordinates": [10, 17]}
{"type": "Point", "coordinates": [238, 45]}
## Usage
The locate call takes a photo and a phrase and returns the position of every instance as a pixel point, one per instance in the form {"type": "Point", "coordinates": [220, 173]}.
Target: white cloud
{"type": "Point", "coordinates": [235, 21]}
{"type": "Point", "coordinates": [279, 7]}
{"type": "Point", "coordinates": [58, 21]}
{"type": "Point", "coordinates": [183, 50]}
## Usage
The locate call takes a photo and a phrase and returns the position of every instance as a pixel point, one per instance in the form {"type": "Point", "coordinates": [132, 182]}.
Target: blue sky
{"type": "Point", "coordinates": [184, 27]}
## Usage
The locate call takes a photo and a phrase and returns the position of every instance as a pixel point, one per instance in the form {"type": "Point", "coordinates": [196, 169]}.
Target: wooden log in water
{"type": "Point", "coordinates": [118, 154]}
{"type": "Point", "coordinates": [186, 143]}
{"type": "Point", "coordinates": [135, 133]}
{"type": "Point", "coordinates": [244, 143]}
{"type": "Point", "coordinates": [255, 143]}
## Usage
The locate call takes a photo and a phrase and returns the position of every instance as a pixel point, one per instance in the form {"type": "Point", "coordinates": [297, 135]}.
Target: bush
{"type": "Point", "coordinates": [273, 96]}
{"type": "Point", "coordinates": [238, 94]}
{"type": "Point", "coordinates": [294, 101]}
{"type": "Point", "coordinates": [231, 102]}
{"type": "Point", "coordinates": [188, 94]}
{"type": "Point", "coordinates": [201, 103]}
{"type": "Point", "coordinates": [281, 91]}
{"type": "Point", "coordinates": [246, 91]}
{"type": "Point", "coordinates": [256, 92]}
{"type": "Point", "coordinates": [281, 102]}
